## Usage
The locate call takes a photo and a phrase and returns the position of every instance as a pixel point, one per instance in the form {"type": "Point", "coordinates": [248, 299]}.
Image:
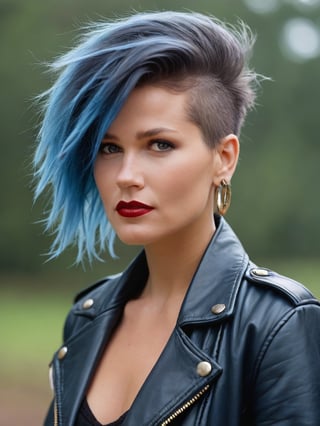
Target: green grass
{"type": "Point", "coordinates": [30, 330]}
{"type": "Point", "coordinates": [33, 312]}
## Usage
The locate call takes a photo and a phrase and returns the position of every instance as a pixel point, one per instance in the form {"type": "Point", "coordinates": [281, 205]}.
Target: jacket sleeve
{"type": "Point", "coordinates": [287, 386]}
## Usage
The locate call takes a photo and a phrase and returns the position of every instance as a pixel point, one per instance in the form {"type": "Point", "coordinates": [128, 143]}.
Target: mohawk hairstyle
{"type": "Point", "coordinates": [185, 51]}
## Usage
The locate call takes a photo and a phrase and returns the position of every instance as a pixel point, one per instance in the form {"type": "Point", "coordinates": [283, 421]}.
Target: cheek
{"type": "Point", "coordinates": [189, 181]}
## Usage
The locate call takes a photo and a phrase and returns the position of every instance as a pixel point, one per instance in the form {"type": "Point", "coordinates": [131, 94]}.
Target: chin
{"type": "Point", "coordinates": [132, 240]}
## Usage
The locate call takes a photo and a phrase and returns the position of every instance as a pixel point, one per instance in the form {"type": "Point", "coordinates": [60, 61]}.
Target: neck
{"type": "Point", "coordinates": [172, 263]}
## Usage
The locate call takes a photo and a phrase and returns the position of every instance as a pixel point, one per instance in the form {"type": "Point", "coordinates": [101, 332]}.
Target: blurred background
{"type": "Point", "coordinates": [276, 203]}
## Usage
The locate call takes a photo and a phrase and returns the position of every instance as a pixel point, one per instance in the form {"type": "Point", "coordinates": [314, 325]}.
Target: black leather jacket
{"type": "Point", "coordinates": [245, 350]}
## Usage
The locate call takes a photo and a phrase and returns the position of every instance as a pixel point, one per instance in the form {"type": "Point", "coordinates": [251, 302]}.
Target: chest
{"type": "Point", "coordinates": [126, 362]}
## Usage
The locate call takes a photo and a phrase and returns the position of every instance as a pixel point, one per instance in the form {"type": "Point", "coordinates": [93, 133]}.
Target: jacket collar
{"type": "Point", "coordinates": [215, 282]}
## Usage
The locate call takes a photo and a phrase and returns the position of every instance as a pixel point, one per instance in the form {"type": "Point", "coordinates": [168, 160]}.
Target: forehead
{"type": "Point", "coordinates": [154, 104]}
{"type": "Point", "coordinates": [151, 111]}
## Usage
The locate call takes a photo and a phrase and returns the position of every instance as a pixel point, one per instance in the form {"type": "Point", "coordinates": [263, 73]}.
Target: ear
{"type": "Point", "coordinates": [226, 159]}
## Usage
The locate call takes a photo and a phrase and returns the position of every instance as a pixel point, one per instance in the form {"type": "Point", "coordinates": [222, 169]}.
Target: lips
{"type": "Point", "coordinates": [132, 208]}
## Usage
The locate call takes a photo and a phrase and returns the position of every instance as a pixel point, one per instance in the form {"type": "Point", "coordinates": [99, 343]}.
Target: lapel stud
{"type": "Point", "coordinates": [204, 368]}
{"type": "Point", "coordinates": [87, 304]}
{"type": "Point", "coordinates": [62, 353]}
{"type": "Point", "coordinates": [218, 309]}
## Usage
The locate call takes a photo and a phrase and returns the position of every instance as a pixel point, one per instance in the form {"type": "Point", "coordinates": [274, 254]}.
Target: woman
{"type": "Point", "coordinates": [140, 138]}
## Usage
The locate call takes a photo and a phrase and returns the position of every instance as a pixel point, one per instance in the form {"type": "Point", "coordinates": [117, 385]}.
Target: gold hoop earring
{"type": "Point", "coordinates": [223, 197]}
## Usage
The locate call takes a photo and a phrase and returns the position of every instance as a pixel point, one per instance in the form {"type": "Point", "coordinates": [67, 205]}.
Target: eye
{"type": "Point", "coordinates": [161, 145]}
{"type": "Point", "coordinates": [109, 148]}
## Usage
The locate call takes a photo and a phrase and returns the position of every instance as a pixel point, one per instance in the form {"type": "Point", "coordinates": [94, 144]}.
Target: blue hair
{"type": "Point", "coordinates": [94, 80]}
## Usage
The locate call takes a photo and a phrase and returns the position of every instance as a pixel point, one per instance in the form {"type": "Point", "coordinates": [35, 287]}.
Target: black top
{"type": "Point", "coordinates": [86, 417]}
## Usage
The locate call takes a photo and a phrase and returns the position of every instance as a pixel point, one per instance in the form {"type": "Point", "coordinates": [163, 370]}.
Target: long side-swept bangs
{"type": "Point", "coordinates": [79, 109]}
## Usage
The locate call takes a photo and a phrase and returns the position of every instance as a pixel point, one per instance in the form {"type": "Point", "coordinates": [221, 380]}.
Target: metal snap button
{"type": "Point", "coordinates": [204, 368]}
{"type": "Point", "coordinates": [260, 272]}
{"type": "Point", "coordinates": [87, 303]}
{"type": "Point", "coordinates": [63, 352]}
{"type": "Point", "coordinates": [218, 309]}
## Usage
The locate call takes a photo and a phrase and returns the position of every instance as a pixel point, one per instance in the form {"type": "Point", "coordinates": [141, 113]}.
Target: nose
{"type": "Point", "coordinates": [130, 173]}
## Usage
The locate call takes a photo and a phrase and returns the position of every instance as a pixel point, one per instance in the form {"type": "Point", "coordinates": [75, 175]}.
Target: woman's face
{"type": "Point", "coordinates": [154, 173]}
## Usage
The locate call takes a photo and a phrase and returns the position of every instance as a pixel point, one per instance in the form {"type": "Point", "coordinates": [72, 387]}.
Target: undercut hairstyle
{"type": "Point", "coordinates": [180, 51]}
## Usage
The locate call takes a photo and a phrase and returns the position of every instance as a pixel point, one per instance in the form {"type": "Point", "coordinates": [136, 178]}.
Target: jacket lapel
{"type": "Point", "coordinates": [173, 382]}
{"type": "Point", "coordinates": [72, 373]}
{"type": "Point", "coordinates": [210, 300]}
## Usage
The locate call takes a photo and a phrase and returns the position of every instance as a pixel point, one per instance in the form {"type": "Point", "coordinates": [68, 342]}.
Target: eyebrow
{"type": "Point", "coordinates": [146, 134]}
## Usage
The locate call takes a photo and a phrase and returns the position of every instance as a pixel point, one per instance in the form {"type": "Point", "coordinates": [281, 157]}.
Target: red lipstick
{"type": "Point", "coordinates": [132, 208]}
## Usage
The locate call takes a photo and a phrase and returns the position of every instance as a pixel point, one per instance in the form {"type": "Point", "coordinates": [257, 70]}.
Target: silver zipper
{"type": "Point", "coordinates": [55, 405]}
{"type": "Point", "coordinates": [185, 406]}
{"type": "Point", "coordinates": [55, 413]}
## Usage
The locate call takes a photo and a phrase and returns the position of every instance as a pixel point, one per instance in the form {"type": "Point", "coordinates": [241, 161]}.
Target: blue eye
{"type": "Point", "coordinates": [162, 145]}
{"type": "Point", "coordinates": [109, 148]}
